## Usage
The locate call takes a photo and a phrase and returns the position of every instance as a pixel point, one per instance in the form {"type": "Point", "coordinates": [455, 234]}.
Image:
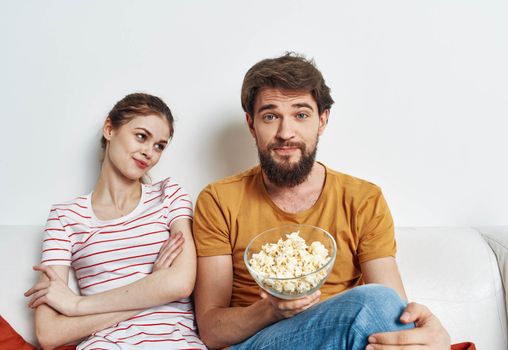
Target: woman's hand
{"type": "Point", "coordinates": [169, 251]}
{"type": "Point", "coordinates": [54, 293]}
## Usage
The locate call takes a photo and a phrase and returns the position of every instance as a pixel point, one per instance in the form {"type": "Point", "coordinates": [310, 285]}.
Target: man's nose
{"type": "Point", "coordinates": [286, 129]}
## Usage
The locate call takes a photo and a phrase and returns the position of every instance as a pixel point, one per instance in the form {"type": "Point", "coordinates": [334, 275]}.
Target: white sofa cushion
{"type": "Point", "coordinates": [455, 273]}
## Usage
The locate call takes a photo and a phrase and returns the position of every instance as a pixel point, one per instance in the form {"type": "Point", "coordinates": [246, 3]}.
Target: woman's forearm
{"type": "Point", "coordinates": [158, 288]}
{"type": "Point", "coordinates": [53, 329]}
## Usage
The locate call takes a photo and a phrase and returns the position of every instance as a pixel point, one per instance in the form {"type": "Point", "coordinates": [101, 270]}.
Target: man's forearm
{"type": "Point", "coordinates": [221, 327]}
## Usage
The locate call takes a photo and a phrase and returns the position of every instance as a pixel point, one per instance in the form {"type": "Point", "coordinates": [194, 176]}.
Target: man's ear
{"type": "Point", "coordinates": [107, 129]}
{"type": "Point", "coordinates": [323, 121]}
{"type": "Point", "coordinates": [250, 123]}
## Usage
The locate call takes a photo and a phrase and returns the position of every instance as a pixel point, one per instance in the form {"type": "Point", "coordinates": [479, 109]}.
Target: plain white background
{"type": "Point", "coordinates": [420, 88]}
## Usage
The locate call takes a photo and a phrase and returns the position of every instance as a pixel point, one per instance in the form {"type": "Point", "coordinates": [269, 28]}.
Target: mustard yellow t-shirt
{"type": "Point", "coordinates": [230, 212]}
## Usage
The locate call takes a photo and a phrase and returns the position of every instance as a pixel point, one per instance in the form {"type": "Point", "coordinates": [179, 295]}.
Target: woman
{"type": "Point", "coordinates": [135, 282]}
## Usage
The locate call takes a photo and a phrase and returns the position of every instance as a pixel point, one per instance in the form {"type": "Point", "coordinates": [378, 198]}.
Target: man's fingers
{"type": "Point", "coordinates": [413, 336]}
{"type": "Point", "coordinates": [396, 347]}
{"type": "Point", "coordinates": [299, 304]}
{"type": "Point", "coordinates": [413, 312]}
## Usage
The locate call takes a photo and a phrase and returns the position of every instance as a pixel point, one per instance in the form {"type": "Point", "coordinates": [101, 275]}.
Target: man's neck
{"type": "Point", "coordinates": [301, 197]}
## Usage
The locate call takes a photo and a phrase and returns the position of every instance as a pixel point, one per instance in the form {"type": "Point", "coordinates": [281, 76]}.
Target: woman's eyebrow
{"type": "Point", "coordinates": [145, 130]}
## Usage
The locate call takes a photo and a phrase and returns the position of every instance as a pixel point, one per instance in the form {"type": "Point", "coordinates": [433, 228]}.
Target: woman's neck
{"type": "Point", "coordinates": [114, 194]}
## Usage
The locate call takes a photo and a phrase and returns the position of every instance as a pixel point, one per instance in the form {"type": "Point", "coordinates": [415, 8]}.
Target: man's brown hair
{"type": "Point", "coordinates": [291, 72]}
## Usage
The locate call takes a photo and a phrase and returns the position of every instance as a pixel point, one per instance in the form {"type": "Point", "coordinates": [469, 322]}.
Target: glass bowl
{"type": "Point", "coordinates": [299, 284]}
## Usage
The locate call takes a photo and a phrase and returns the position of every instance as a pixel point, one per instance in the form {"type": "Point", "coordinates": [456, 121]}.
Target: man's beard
{"type": "Point", "coordinates": [286, 174]}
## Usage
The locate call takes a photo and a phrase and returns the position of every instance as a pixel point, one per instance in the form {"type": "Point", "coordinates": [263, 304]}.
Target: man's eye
{"type": "Point", "coordinates": [269, 117]}
{"type": "Point", "coordinates": [301, 116]}
{"type": "Point", "coordinates": [141, 137]}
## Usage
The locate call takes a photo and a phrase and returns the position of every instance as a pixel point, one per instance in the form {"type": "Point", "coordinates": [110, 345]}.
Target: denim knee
{"type": "Point", "coordinates": [380, 308]}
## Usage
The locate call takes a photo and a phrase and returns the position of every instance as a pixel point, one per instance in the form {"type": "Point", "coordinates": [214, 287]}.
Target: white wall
{"type": "Point", "coordinates": [420, 89]}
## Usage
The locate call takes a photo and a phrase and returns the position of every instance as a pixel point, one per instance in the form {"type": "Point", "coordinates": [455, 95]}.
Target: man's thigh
{"type": "Point", "coordinates": [342, 322]}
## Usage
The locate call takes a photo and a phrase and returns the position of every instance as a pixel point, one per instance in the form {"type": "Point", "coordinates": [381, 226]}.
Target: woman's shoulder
{"type": "Point", "coordinates": [167, 190]}
{"type": "Point", "coordinates": [78, 205]}
{"type": "Point", "coordinates": [74, 214]}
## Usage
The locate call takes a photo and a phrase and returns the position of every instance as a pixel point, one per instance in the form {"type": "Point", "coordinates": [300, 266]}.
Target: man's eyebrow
{"type": "Point", "coordinates": [265, 107]}
{"type": "Point", "coordinates": [296, 105]}
{"type": "Point", "coordinates": [303, 105]}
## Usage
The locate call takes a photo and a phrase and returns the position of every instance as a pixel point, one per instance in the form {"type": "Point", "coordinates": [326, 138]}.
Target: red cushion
{"type": "Point", "coordinates": [10, 339]}
{"type": "Point", "coordinates": [463, 346]}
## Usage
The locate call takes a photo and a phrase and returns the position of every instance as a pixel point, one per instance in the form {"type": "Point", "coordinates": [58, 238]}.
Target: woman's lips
{"type": "Point", "coordinates": [141, 164]}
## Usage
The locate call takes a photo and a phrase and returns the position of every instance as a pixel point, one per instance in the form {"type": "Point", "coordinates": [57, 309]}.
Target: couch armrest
{"type": "Point", "coordinates": [497, 238]}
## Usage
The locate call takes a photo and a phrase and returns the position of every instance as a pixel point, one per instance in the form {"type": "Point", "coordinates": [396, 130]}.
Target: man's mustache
{"type": "Point", "coordinates": [299, 145]}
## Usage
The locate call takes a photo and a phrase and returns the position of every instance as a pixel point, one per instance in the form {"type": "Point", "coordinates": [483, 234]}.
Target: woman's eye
{"type": "Point", "coordinates": [159, 147]}
{"type": "Point", "coordinates": [301, 116]}
{"type": "Point", "coordinates": [141, 137]}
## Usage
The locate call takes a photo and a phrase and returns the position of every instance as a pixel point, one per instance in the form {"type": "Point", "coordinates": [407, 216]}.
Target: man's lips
{"type": "Point", "coordinates": [141, 164]}
{"type": "Point", "coordinates": [285, 150]}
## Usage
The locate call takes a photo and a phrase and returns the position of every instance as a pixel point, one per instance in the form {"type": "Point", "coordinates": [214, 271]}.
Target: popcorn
{"type": "Point", "coordinates": [290, 258]}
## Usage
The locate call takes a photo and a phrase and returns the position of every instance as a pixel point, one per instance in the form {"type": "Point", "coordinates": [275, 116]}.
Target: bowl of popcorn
{"type": "Point", "coordinates": [291, 261]}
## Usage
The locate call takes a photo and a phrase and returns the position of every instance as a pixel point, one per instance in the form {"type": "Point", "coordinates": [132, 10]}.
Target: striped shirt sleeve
{"type": "Point", "coordinates": [178, 202]}
{"type": "Point", "coordinates": [56, 244]}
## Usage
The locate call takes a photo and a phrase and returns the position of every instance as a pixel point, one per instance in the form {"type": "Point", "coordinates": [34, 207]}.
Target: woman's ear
{"type": "Point", "coordinates": [107, 129]}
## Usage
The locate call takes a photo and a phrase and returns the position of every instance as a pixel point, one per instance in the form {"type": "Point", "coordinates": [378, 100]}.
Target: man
{"type": "Point", "coordinates": [287, 105]}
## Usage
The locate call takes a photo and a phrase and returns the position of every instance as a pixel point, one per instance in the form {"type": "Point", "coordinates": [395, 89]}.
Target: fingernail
{"type": "Point", "coordinates": [405, 316]}
{"type": "Point", "coordinates": [369, 347]}
{"type": "Point", "coordinates": [372, 340]}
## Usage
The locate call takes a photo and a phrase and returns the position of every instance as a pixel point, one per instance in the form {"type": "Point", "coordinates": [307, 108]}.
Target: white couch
{"type": "Point", "coordinates": [454, 271]}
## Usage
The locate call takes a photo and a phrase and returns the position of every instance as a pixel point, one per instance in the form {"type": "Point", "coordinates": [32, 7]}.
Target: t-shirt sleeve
{"type": "Point", "coordinates": [211, 230]}
{"type": "Point", "coordinates": [56, 244]}
{"type": "Point", "coordinates": [178, 202]}
{"type": "Point", "coordinates": [375, 228]}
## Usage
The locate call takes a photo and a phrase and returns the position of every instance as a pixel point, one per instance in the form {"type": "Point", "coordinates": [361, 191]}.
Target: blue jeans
{"type": "Point", "coordinates": [344, 321]}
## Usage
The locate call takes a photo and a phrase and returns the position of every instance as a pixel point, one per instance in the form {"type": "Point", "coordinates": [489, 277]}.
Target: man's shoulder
{"type": "Point", "coordinates": [238, 179]}
{"type": "Point", "coordinates": [234, 184]}
{"type": "Point", "coordinates": [351, 183]}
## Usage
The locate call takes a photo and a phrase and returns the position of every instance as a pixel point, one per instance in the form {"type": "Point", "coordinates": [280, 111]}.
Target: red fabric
{"type": "Point", "coordinates": [10, 339]}
{"type": "Point", "coordinates": [463, 346]}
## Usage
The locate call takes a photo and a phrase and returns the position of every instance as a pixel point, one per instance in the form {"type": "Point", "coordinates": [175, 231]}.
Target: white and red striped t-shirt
{"type": "Point", "coordinates": [113, 253]}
